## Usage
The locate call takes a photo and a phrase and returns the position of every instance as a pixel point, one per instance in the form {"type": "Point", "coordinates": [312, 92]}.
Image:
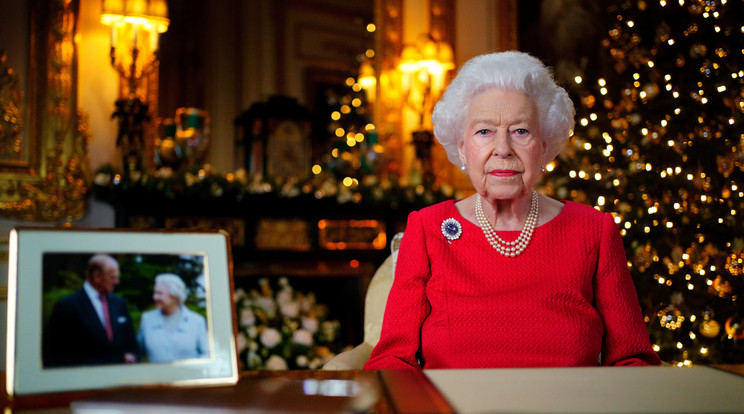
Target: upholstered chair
{"type": "Point", "coordinates": [374, 309]}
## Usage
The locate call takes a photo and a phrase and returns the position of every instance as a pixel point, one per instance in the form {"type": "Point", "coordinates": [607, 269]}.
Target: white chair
{"type": "Point", "coordinates": [374, 309]}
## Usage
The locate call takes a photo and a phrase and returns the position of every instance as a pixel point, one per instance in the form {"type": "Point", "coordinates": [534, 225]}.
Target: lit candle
{"type": "Point", "coordinates": [113, 35]}
{"type": "Point", "coordinates": [153, 40]}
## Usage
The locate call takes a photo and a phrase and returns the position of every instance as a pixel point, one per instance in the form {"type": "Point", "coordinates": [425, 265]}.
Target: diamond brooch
{"type": "Point", "coordinates": [451, 229]}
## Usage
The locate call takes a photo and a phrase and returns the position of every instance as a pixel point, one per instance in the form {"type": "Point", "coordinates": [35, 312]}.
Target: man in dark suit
{"type": "Point", "coordinates": [91, 326]}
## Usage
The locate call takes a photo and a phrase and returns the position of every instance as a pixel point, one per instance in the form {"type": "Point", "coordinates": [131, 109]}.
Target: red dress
{"type": "Point", "coordinates": [567, 300]}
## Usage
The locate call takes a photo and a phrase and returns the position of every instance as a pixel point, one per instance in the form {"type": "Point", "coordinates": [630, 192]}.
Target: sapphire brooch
{"type": "Point", "coordinates": [451, 229]}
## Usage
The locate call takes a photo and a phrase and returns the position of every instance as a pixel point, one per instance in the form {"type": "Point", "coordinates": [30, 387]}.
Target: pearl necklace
{"type": "Point", "coordinates": [512, 248]}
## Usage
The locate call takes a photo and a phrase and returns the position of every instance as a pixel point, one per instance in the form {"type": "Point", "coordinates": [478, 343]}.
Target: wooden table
{"type": "Point", "coordinates": [285, 391]}
{"type": "Point", "coordinates": [547, 390]}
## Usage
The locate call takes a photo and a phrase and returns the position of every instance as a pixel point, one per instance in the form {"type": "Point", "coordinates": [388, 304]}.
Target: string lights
{"type": "Point", "coordinates": [659, 144]}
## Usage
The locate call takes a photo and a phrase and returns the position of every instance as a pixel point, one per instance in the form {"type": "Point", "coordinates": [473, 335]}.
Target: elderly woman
{"type": "Point", "coordinates": [508, 277]}
{"type": "Point", "coordinates": [171, 331]}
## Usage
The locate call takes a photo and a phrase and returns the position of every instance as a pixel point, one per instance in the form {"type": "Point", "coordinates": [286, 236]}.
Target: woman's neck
{"type": "Point", "coordinates": [169, 311]}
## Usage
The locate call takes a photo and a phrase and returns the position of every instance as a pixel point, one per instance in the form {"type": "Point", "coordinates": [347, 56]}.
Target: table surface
{"type": "Point", "coordinates": [542, 390]}
{"type": "Point", "coordinates": [696, 389]}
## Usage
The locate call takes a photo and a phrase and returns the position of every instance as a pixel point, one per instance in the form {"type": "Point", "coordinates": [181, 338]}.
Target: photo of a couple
{"type": "Point", "coordinates": [103, 309]}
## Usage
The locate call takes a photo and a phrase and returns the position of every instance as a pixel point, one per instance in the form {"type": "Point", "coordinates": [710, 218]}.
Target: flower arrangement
{"type": "Point", "coordinates": [286, 329]}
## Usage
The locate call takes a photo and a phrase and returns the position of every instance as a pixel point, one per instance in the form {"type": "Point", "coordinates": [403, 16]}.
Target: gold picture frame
{"type": "Point", "coordinates": [43, 149]}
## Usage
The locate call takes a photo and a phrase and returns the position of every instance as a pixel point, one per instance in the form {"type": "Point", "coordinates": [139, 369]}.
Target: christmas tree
{"type": "Point", "coordinates": [659, 143]}
{"type": "Point", "coordinates": [354, 150]}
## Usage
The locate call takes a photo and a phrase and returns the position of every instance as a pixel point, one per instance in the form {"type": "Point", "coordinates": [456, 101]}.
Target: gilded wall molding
{"type": "Point", "coordinates": [442, 20]}
{"type": "Point", "coordinates": [50, 183]}
{"type": "Point", "coordinates": [12, 149]}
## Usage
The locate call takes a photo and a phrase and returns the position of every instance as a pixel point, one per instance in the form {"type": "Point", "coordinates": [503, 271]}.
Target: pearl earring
{"type": "Point", "coordinates": [542, 169]}
{"type": "Point", "coordinates": [463, 168]}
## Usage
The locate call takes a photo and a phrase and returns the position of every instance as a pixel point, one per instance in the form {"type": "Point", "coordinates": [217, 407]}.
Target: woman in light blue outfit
{"type": "Point", "coordinates": [171, 331]}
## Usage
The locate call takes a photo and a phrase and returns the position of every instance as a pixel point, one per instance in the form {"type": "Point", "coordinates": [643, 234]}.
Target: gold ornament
{"type": "Point", "coordinates": [735, 327]}
{"type": "Point", "coordinates": [710, 328]}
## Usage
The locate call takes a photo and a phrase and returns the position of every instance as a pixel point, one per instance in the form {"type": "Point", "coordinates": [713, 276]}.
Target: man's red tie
{"type": "Point", "coordinates": [107, 319]}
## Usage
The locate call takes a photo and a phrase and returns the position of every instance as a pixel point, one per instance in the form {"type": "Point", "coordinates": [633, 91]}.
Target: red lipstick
{"type": "Point", "coordinates": [503, 173]}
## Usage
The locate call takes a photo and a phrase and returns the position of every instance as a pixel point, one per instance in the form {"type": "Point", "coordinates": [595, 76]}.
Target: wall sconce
{"type": "Point", "coordinates": [135, 29]}
{"type": "Point", "coordinates": [423, 67]}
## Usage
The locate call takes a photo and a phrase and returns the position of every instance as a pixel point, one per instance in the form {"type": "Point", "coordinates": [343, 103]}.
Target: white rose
{"type": "Point", "coordinates": [267, 304]}
{"type": "Point", "coordinates": [242, 342]}
{"type": "Point", "coordinates": [276, 363]}
{"type": "Point", "coordinates": [303, 337]}
{"type": "Point", "coordinates": [247, 318]}
{"type": "Point", "coordinates": [311, 324]}
{"type": "Point", "coordinates": [270, 337]}
{"type": "Point", "coordinates": [252, 331]}
{"type": "Point", "coordinates": [284, 296]}
{"type": "Point", "coordinates": [302, 361]}
{"type": "Point", "coordinates": [290, 309]}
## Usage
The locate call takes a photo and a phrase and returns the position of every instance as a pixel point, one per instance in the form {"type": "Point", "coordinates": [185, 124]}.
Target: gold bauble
{"type": "Point", "coordinates": [168, 152]}
{"type": "Point", "coordinates": [710, 328]}
{"type": "Point", "coordinates": [735, 327]}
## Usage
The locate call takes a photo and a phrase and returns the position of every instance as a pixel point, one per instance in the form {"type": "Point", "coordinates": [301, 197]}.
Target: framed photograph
{"type": "Point", "coordinates": [92, 309]}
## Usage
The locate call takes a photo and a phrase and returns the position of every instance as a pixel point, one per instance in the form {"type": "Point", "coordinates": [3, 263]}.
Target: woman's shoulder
{"type": "Point", "coordinates": [190, 313]}
{"type": "Point", "coordinates": [149, 316]}
{"type": "Point", "coordinates": [588, 216]}
{"type": "Point", "coordinates": [436, 211]}
{"type": "Point", "coordinates": [581, 210]}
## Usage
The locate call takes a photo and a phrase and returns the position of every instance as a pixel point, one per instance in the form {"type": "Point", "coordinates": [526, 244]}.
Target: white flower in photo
{"type": "Point", "coordinates": [310, 323]}
{"type": "Point", "coordinates": [285, 295]}
{"type": "Point", "coordinates": [270, 337]}
{"type": "Point", "coordinates": [267, 305]}
{"type": "Point", "coordinates": [240, 295]}
{"type": "Point", "coordinates": [290, 309]}
{"type": "Point", "coordinates": [302, 361]}
{"type": "Point", "coordinates": [247, 318]}
{"type": "Point", "coordinates": [303, 337]}
{"type": "Point", "coordinates": [276, 363]}
{"type": "Point", "coordinates": [242, 342]}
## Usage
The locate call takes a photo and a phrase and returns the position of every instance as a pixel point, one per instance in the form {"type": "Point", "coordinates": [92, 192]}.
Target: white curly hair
{"type": "Point", "coordinates": [510, 70]}
{"type": "Point", "coordinates": [175, 285]}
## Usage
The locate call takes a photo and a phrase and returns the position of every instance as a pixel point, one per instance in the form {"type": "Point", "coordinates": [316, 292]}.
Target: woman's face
{"type": "Point", "coordinates": [502, 147]}
{"type": "Point", "coordinates": [164, 301]}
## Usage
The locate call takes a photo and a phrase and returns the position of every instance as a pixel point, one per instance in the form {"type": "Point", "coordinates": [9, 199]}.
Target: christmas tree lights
{"type": "Point", "coordinates": [659, 143]}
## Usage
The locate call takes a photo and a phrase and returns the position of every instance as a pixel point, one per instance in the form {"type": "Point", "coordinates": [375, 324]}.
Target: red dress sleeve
{"type": "Point", "coordinates": [407, 306]}
{"type": "Point", "coordinates": [626, 340]}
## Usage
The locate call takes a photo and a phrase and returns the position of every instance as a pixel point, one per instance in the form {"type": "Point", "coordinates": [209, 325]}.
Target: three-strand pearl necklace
{"type": "Point", "coordinates": [512, 248]}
